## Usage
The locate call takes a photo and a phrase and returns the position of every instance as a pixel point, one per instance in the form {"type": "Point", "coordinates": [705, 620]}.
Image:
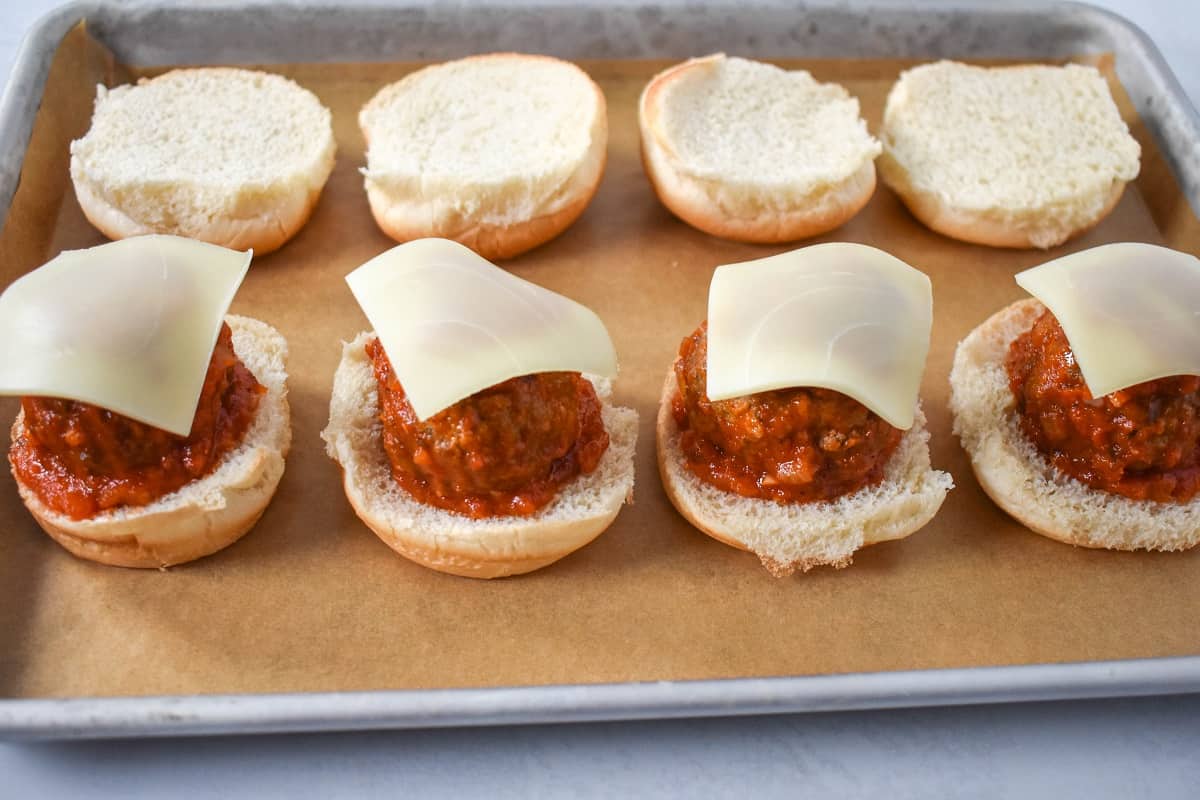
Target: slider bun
{"type": "Point", "coordinates": [1026, 156]}
{"type": "Point", "coordinates": [207, 514]}
{"type": "Point", "coordinates": [229, 156]}
{"type": "Point", "coordinates": [800, 536]}
{"type": "Point", "coordinates": [702, 125]}
{"type": "Point", "coordinates": [1016, 476]}
{"type": "Point", "coordinates": [499, 152]}
{"type": "Point", "coordinates": [450, 542]}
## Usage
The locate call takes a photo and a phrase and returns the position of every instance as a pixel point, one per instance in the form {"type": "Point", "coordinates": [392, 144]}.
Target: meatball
{"type": "Point", "coordinates": [505, 450]}
{"type": "Point", "coordinates": [81, 459]}
{"type": "Point", "coordinates": [1142, 442]}
{"type": "Point", "coordinates": [788, 445]}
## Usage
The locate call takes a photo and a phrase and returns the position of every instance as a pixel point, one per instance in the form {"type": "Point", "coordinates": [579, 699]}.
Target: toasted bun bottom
{"type": "Point", "coordinates": [405, 222]}
{"type": "Point", "coordinates": [800, 536]}
{"type": "Point", "coordinates": [699, 205]}
{"type": "Point", "coordinates": [264, 233]}
{"type": "Point", "coordinates": [1029, 228]}
{"type": "Point", "coordinates": [450, 542]}
{"type": "Point", "coordinates": [1021, 481]}
{"type": "Point", "coordinates": [205, 515]}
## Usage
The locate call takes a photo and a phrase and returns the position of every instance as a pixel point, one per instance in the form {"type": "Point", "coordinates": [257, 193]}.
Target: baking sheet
{"type": "Point", "coordinates": [311, 601]}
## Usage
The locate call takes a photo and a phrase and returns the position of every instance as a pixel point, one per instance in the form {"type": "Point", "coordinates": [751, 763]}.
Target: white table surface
{"type": "Point", "coordinates": [1145, 748]}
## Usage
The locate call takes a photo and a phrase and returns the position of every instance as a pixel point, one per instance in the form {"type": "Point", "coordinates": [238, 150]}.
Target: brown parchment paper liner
{"type": "Point", "coordinates": [311, 600]}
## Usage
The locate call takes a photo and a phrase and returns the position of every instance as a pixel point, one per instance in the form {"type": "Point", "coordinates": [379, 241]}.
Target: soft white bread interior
{"type": "Point", "coordinates": [207, 514]}
{"type": "Point", "coordinates": [228, 156]}
{"type": "Point", "coordinates": [500, 152]}
{"type": "Point", "coordinates": [1024, 156]}
{"type": "Point", "coordinates": [748, 151]}
{"type": "Point", "coordinates": [450, 542]}
{"type": "Point", "coordinates": [800, 536]}
{"type": "Point", "coordinates": [1021, 481]}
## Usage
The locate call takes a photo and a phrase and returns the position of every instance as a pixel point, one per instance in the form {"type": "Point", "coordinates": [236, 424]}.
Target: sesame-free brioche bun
{"type": "Point", "coordinates": [750, 152]}
{"type": "Point", "coordinates": [1021, 481]}
{"type": "Point", "coordinates": [233, 157]}
{"type": "Point", "coordinates": [207, 514]}
{"type": "Point", "coordinates": [500, 152]}
{"type": "Point", "coordinates": [454, 543]}
{"type": "Point", "coordinates": [1022, 156]}
{"type": "Point", "coordinates": [799, 536]}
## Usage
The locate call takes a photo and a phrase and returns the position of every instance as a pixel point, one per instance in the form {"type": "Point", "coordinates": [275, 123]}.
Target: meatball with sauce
{"type": "Point", "coordinates": [81, 459]}
{"type": "Point", "coordinates": [787, 445]}
{"type": "Point", "coordinates": [1142, 442]}
{"type": "Point", "coordinates": [502, 451]}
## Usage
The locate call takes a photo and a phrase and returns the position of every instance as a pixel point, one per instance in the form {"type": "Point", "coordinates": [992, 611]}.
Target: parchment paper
{"type": "Point", "coordinates": [311, 600]}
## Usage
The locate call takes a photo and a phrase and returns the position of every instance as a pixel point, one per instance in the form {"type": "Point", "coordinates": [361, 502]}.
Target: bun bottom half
{"type": "Point", "coordinates": [453, 543]}
{"type": "Point", "coordinates": [799, 536]}
{"type": "Point", "coordinates": [205, 515]}
{"type": "Point", "coordinates": [1021, 481]}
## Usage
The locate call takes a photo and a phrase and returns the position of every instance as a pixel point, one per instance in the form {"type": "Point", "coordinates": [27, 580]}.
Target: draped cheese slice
{"type": "Point", "coordinates": [129, 326]}
{"type": "Point", "coordinates": [838, 316]}
{"type": "Point", "coordinates": [452, 323]}
{"type": "Point", "coordinates": [1130, 311]}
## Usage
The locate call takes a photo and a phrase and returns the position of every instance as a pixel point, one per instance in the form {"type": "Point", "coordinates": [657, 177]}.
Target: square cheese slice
{"type": "Point", "coordinates": [452, 323]}
{"type": "Point", "coordinates": [839, 316]}
{"type": "Point", "coordinates": [129, 326]}
{"type": "Point", "coordinates": [1130, 311]}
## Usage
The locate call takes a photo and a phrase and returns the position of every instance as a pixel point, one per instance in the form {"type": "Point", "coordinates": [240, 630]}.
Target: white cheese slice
{"type": "Point", "coordinates": [1131, 311]}
{"type": "Point", "coordinates": [128, 326]}
{"type": "Point", "coordinates": [839, 316]}
{"type": "Point", "coordinates": [452, 323]}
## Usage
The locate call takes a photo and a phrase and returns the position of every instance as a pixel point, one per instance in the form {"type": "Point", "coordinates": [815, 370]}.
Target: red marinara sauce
{"type": "Point", "coordinates": [789, 445]}
{"type": "Point", "coordinates": [503, 451]}
{"type": "Point", "coordinates": [1142, 442]}
{"type": "Point", "coordinates": [81, 459]}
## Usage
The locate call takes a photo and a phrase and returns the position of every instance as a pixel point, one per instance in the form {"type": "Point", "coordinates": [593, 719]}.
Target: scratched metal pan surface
{"type": "Point", "coordinates": [150, 34]}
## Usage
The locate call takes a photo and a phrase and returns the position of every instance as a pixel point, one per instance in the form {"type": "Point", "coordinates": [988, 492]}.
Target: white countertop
{"type": "Point", "coordinates": [1142, 748]}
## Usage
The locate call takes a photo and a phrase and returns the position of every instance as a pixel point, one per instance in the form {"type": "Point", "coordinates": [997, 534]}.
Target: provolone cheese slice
{"type": "Point", "coordinates": [128, 326]}
{"type": "Point", "coordinates": [453, 324]}
{"type": "Point", "coordinates": [845, 317]}
{"type": "Point", "coordinates": [1131, 311]}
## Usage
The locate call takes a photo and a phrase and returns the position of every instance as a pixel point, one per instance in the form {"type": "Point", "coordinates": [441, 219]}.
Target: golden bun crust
{"type": "Point", "coordinates": [692, 205]}
{"type": "Point", "coordinates": [471, 559]}
{"type": "Point", "coordinates": [493, 242]}
{"type": "Point", "coordinates": [791, 537]}
{"type": "Point", "coordinates": [263, 234]}
{"type": "Point", "coordinates": [453, 543]}
{"type": "Point", "coordinates": [1020, 480]}
{"type": "Point", "coordinates": [979, 227]}
{"type": "Point", "coordinates": [194, 537]}
{"type": "Point", "coordinates": [208, 514]}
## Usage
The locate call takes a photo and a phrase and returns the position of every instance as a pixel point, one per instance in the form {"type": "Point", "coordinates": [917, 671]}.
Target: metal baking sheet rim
{"type": "Point", "coordinates": [1176, 125]}
{"type": "Point", "coordinates": [128, 717]}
